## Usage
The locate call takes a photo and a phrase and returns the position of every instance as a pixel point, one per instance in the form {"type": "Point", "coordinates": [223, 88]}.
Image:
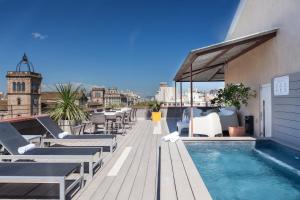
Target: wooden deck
{"type": "Point", "coordinates": [137, 177]}
{"type": "Point", "coordinates": [141, 168]}
{"type": "Point", "coordinates": [180, 179]}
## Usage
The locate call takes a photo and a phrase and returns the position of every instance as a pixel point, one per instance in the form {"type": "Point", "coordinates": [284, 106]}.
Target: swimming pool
{"type": "Point", "coordinates": [239, 170]}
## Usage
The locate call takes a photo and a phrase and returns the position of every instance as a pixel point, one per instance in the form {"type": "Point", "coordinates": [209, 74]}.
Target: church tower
{"type": "Point", "coordinates": [24, 90]}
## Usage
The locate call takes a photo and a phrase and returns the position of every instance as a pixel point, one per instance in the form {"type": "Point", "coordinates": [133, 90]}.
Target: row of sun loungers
{"type": "Point", "coordinates": [22, 162]}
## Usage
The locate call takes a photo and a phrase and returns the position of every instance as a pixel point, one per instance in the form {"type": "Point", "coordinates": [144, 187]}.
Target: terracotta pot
{"type": "Point", "coordinates": [236, 131]}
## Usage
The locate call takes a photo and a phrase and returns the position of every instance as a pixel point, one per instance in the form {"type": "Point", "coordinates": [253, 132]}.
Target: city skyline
{"type": "Point", "coordinates": [108, 43]}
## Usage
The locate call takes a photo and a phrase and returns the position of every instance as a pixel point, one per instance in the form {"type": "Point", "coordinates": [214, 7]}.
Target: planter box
{"type": "Point", "coordinates": [236, 131]}
{"type": "Point", "coordinates": [156, 116]}
{"type": "Point", "coordinates": [65, 125]}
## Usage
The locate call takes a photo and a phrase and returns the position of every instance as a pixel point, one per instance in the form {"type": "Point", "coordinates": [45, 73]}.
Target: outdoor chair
{"type": "Point", "coordinates": [78, 129]}
{"type": "Point", "coordinates": [119, 125]}
{"type": "Point", "coordinates": [228, 117]}
{"type": "Point", "coordinates": [127, 119]}
{"type": "Point", "coordinates": [133, 112]}
{"type": "Point", "coordinates": [98, 119]}
{"type": "Point", "coordinates": [75, 140]}
{"type": "Point", "coordinates": [41, 173]}
{"type": "Point", "coordinates": [208, 125]}
{"type": "Point", "coordinates": [185, 120]}
{"type": "Point", "coordinates": [19, 148]}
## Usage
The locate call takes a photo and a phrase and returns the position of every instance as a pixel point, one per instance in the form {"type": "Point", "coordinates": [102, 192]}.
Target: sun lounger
{"type": "Point", "coordinates": [44, 173]}
{"type": "Point", "coordinates": [74, 140]}
{"type": "Point", "coordinates": [12, 141]}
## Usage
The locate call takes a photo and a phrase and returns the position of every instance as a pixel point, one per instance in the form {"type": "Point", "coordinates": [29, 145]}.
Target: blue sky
{"type": "Point", "coordinates": [132, 44]}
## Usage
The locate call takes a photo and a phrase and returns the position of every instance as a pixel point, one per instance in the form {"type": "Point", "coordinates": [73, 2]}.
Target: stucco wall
{"type": "Point", "coordinates": [278, 56]}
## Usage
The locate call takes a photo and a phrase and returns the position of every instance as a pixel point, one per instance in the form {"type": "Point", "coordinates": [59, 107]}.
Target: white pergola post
{"type": "Point", "coordinates": [175, 94]}
{"type": "Point", "coordinates": [191, 106]}
{"type": "Point", "coordinates": [181, 98]}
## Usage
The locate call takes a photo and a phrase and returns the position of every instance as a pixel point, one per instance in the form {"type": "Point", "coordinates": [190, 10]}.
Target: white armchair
{"type": "Point", "coordinates": [209, 125]}
{"type": "Point", "coordinates": [228, 117]}
{"type": "Point", "coordinates": [184, 123]}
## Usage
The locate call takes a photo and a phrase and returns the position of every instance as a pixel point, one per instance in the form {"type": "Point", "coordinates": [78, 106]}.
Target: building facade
{"type": "Point", "coordinates": [97, 95]}
{"type": "Point", "coordinates": [112, 97]}
{"type": "Point", "coordinates": [271, 67]}
{"type": "Point", "coordinates": [129, 98]}
{"type": "Point", "coordinates": [23, 90]}
{"type": "Point", "coordinates": [2, 95]}
{"type": "Point", "coordinates": [165, 93]}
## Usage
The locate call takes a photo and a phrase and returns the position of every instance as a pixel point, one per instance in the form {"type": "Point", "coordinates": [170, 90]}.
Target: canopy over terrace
{"type": "Point", "coordinates": [207, 64]}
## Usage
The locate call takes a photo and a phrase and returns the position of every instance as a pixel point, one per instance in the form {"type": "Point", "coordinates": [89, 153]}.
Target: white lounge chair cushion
{"type": "Point", "coordinates": [63, 134]}
{"type": "Point", "coordinates": [23, 149]}
{"type": "Point", "coordinates": [172, 137]}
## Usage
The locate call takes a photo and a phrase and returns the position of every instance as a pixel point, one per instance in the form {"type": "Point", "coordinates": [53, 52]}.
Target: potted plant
{"type": "Point", "coordinates": [67, 111]}
{"type": "Point", "coordinates": [234, 95]}
{"type": "Point", "coordinates": [155, 111]}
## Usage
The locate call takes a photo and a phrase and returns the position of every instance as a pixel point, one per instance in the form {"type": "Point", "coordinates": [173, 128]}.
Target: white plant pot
{"type": "Point", "coordinates": [65, 125]}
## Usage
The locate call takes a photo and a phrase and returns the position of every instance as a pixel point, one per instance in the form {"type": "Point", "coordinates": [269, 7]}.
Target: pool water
{"type": "Point", "coordinates": [235, 171]}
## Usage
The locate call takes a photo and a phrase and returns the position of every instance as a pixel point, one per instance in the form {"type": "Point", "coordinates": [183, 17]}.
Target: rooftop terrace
{"type": "Point", "coordinates": [142, 167]}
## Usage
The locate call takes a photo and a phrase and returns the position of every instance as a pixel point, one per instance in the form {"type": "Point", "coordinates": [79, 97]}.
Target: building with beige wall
{"type": "Point", "coordinates": [276, 57]}
{"type": "Point", "coordinates": [261, 51]}
{"type": "Point", "coordinates": [112, 96]}
{"type": "Point", "coordinates": [23, 90]}
{"type": "Point", "coordinates": [97, 95]}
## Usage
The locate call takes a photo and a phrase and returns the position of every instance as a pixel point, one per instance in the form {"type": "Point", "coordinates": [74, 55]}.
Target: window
{"type": "Point", "coordinates": [18, 86]}
{"type": "Point", "coordinates": [35, 102]}
{"type": "Point", "coordinates": [34, 88]}
{"type": "Point", "coordinates": [19, 101]}
{"type": "Point", "coordinates": [23, 86]}
{"type": "Point", "coordinates": [14, 86]}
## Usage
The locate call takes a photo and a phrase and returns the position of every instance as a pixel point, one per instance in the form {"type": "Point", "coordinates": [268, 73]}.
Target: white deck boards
{"type": "Point", "coordinates": [137, 177]}
{"type": "Point", "coordinates": [180, 179]}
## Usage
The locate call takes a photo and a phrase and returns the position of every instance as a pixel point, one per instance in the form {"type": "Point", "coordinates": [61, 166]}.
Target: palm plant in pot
{"type": "Point", "coordinates": [234, 95]}
{"type": "Point", "coordinates": [67, 111]}
{"type": "Point", "coordinates": [154, 107]}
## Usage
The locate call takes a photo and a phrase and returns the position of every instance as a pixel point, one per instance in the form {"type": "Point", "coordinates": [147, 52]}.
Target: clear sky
{"type": "Point", "coordinates": [130, 44]}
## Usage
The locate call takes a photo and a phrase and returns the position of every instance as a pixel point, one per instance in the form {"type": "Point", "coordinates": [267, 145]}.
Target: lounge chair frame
{"type": "Point", "coordinates": [110, 142]}
{"type": "Point", "coordinates": [93, 161]}
{"type": "Point", "coordinates": [47, 179]}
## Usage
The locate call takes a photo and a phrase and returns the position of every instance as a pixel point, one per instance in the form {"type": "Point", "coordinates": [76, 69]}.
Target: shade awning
{"type": "Point", "coordinates": [208, 62]}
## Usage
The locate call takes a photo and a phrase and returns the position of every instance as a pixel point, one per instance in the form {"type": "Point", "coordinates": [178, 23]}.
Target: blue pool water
{"type": "Point", "coordinates": [236, 171]}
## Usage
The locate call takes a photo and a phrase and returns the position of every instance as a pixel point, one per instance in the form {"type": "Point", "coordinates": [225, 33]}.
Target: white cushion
{"type": "Point", "coordinates": [172, 137]}
{"type": "Point", "coordinates": [23, 149]}
{"type": "Point", "coordinates": [63, 134]}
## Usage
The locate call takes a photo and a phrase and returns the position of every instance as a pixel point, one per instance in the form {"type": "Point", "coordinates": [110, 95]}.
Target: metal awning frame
{"type": "Point", "coordinates": [186, 71]}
